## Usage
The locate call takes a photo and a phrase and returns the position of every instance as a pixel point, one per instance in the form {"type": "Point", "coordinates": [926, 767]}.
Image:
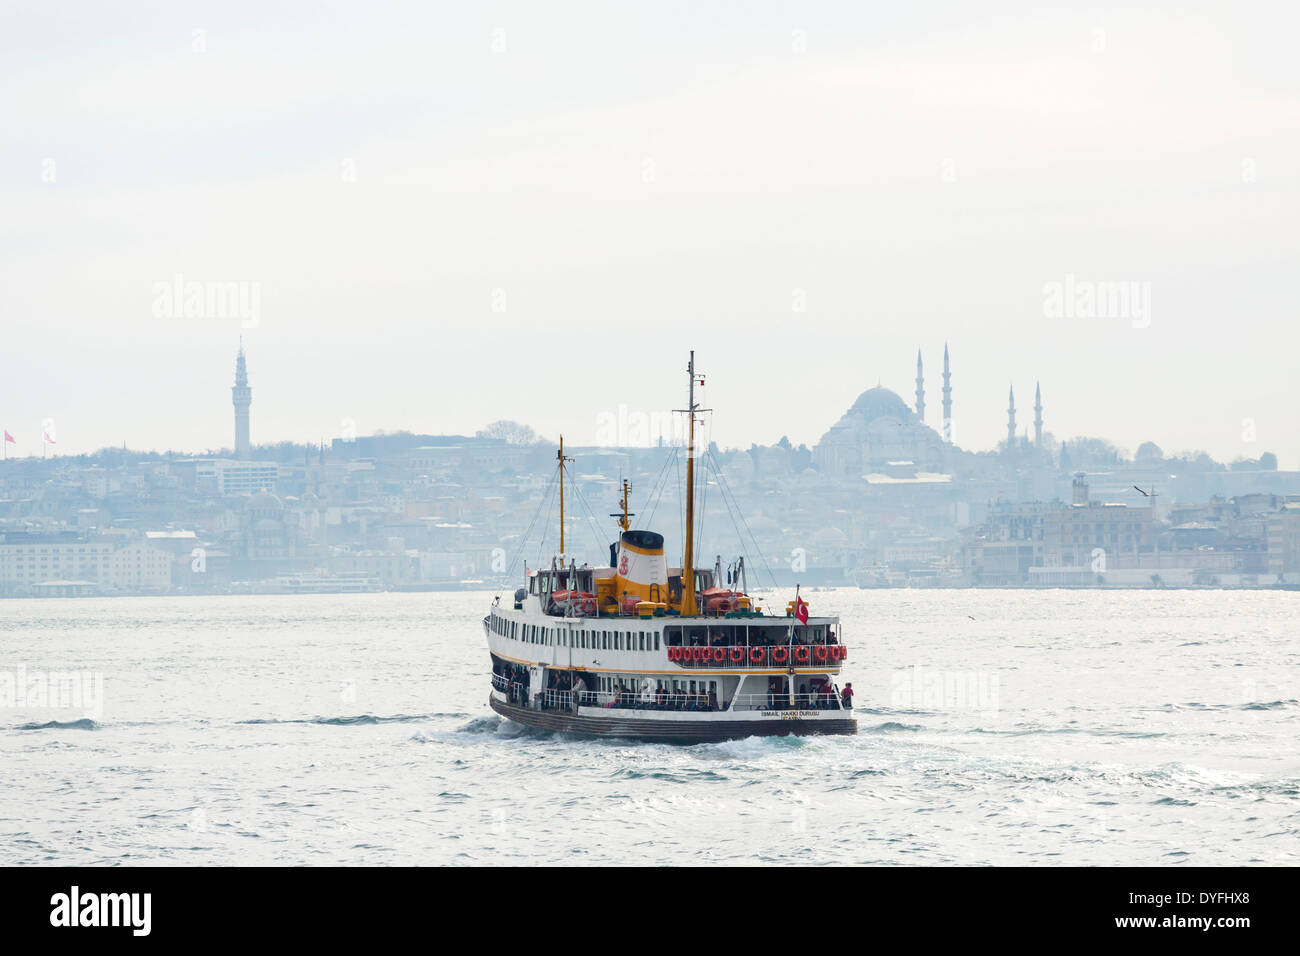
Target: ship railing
{"type": "Point", "coordinates": [654, 700]}
{"type": "Point", "coordinates": [571, 700]}
{"type": "Point", "coordinates": [833, 658]}
{"type": "Point", "coordinates": [513, 690]}
{"type": "Point", "coordinates": [783, 701]}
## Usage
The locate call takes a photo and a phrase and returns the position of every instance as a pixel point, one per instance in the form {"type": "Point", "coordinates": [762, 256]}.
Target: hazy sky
{"type": "Point", "coordinates": [452, 213]}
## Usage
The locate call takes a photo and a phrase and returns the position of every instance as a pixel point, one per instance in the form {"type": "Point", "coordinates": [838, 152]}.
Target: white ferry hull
{"type": "Point", "coordinates": [682, 728]}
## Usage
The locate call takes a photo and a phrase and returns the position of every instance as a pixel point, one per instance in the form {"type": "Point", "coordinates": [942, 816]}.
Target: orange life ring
{"type": "Point", "coordinates": [719, 655]}
{"type": "Point", "coordinates": [737, 655]}
{"type": "Point", "coordinates": [819, 653]}
{"type": "Point", "coordinates": [756, 655]}
{"type": "Point", "coordinates": [844, 652]}
{"type": "Point", "coordinates": [674, 653]}
{"type": "Point", "coordinates": [801, 654]}
{"type": "Point", "coordinates": [780, 655]}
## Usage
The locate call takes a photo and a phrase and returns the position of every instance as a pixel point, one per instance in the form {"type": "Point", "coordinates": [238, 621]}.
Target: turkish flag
{"type": "Point", "coordinates": [801, 610]}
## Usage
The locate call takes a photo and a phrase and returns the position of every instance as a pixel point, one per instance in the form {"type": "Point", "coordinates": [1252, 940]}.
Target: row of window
{"type": "Point", "coordinates": [24, 548]}
{"type": "Point", "coordinates": [582, 638]}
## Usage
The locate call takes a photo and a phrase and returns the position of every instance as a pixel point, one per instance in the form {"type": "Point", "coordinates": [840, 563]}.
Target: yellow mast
{"type": "Point", "coordinates": [622, 519]}
{"type": "Point", "coordinates": [690, 607]}
{"type": "Point", "coordinates": [559, 456]}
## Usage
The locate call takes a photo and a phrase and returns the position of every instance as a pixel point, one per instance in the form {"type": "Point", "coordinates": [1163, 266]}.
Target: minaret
{"type": "Point", "coordinates": [242, 396]}
{"type": "Point", "coordinates": [920, 388]}
{"type": "Point", "coordinates": [1011, 420]}
{"type": "Point", "coordinates": [1038, 415]}
{"type": "Point", "coordinates": [947, 397]}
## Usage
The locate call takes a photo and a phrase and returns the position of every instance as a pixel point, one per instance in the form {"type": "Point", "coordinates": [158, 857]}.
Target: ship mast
{"type": "Point", "coordinates": [690, 608]}
{"type": "Point", "coordinates": [559, 456]}
{"type": "Point", "coordinates": [624, 514]}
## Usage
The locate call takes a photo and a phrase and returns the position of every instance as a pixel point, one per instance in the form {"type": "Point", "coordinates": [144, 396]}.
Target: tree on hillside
{"type": "Point", "coordinates": [510, 431]}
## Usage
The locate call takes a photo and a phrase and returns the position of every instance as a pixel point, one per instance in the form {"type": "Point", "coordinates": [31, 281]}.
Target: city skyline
{"type": "Point", "coordinates": [946, 422]}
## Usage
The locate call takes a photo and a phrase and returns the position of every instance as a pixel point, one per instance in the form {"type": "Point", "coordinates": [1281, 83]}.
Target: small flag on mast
{"type": "Point", "coordinates": [801, 610]}
{"type": "Point", "coordinates": [10, 438]}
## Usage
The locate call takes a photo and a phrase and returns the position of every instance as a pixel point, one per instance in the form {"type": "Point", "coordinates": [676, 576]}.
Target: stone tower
{"type": "Point", "coordinates": [242, 397]}
{"type": "Point", "coordinates": [947, 397]}
{"type": "Point", "coordinates": [920, 388]}
{"type": "Point", "coordinates": [1011, 419]}
{"type": "Point", "coordinates": [1038, 415]}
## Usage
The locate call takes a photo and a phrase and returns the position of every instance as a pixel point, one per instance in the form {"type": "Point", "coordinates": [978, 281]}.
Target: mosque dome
{"type": "Point", "coordinates": [881, 403]}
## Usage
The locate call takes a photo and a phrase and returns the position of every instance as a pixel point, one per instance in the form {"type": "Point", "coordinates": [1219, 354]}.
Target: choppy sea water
{"type": "Point", "coordinates": [997, 727]}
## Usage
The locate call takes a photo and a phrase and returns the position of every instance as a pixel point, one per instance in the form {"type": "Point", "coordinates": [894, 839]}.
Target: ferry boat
{"type": "Point", "coordinates": [649, 652]}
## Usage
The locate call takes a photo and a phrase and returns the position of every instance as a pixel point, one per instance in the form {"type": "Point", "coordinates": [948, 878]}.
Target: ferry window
{"type": "Point", "coordinates": [656, 640]}
{"type": "Point", "coordinates": [618, 641]}
{"type": "Point", "coordinates": [604, 640]}
{"type": "Point", "coordinates": [640, 640]}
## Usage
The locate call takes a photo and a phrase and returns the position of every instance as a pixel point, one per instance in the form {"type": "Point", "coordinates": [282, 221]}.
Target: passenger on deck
{"type": "Point", "coordinates": [846, 696]}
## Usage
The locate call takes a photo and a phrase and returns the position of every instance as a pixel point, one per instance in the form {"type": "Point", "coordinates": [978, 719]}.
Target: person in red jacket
{"type": "Point", "coordinates": [846, 697]}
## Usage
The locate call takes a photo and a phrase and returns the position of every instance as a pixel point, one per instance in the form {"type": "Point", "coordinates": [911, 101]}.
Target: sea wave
{"type": "Point", "coordinates": [359, 720]}
{"type": "Point", "coordinates": [84, 724]}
